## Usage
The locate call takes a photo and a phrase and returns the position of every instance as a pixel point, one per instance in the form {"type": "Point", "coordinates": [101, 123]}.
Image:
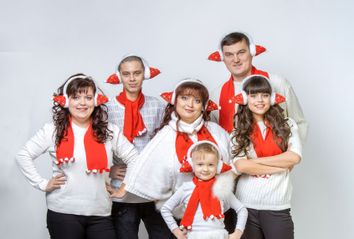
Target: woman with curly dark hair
{"type": "Point", "coordinates": [81, 144]}
{"type": "Point", "coordinates": [266, 146]}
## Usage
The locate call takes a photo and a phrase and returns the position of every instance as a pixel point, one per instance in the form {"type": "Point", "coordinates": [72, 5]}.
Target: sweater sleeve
{"type": "Point", "coordinates": [153, 176]}
{"type": "Point", "coordinates": [294, 140]}
{"type": "Point", "coordinates": [124, 150]}
{"type": "Point", "coordinates": [36, 146]}
{"type": "Point", "coordinates": [241, 211]}
{"type": "Point", "coordinates": [294, 111]}
{"type": "Point", "coordinates": [169, 206]}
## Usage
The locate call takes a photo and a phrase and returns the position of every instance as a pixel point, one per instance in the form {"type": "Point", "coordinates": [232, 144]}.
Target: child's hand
{"type": "Point", "coordinates": [179, 233]}
{"type": "Point", "coordinates": [116, 193]}
{"type": "Point", "coordinates": [236, 235]}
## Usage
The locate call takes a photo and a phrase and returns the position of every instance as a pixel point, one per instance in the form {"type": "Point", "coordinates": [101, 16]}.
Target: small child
{"type": "Point", "coordinates": [203, 215]}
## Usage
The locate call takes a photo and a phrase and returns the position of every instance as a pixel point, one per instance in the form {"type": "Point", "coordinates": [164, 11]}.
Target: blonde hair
{"type": "Point", "coordinates": [205, 148]}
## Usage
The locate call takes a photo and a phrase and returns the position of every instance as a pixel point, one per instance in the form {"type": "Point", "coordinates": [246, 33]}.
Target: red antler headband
{"type": "Point", "coordinates": [241, 98]}
{"type": "Point", "coordinates": [63, 100]}
{"type": "Point", "coordinates": [221, 167]}
{"type": "Point", "coordinates": [149, 72]}
{"type": "Point", "coordinates": [170, 97]}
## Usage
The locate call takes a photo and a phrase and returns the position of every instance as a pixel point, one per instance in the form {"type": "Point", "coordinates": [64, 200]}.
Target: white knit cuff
{"type": "Point", "coordinates": [233, 167]}
{"type": "Point", "coordinates": [43, 185]}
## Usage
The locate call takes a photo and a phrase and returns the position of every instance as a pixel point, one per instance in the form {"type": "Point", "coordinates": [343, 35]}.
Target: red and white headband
{"type": "Point", "coordinates": [241, 98]}
{"type": "Point", "coordinates": [221, 167]}
{"type": "Point", "coordinates": [255, 50]}
{"type": "Point", "coordinates": [149, 72]}
{"type": "Point", "coordinates": [170, 96]}
{"type": "Point", "coordinates": [63, 100]}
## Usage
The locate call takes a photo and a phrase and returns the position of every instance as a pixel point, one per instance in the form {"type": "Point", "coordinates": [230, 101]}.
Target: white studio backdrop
{"type": "Point", "coordinates": [308, 41]}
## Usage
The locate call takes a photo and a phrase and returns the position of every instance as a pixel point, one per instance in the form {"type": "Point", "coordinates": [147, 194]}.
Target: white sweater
{"type": "Point", "coordinates": [291, 107]}
{"type": "Point", "coordinates": [182, 196]}
{"type": "Point", "coordinates": [83, 194]}
{"type": "Point", "coordinates": [156, 174]}
{"type": "Point", "coordinates": [268, 192]}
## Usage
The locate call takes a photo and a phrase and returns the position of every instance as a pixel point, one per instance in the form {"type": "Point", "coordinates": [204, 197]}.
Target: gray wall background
{"type": "Point", "coordinates": [308, 41]}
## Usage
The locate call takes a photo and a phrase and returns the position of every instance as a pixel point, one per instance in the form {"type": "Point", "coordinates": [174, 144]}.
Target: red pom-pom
{"type": "Point", "coordinates": [279, 99]}
{"type": "Point", "coordinates": [215, 56]}
{"type": "Point", "coordinates": [186, 168]}
{"type": "Point", "coordinates": [154, 72]}
{"type": "Point", "coordinates": [238, 99]}
{"type": "Point", "coordinates": [211, 106]}
{"type": "Point", "coordinates": [60, 99]}
{"type": "Point", "coordinates": [260, 49]}
{"type": "Point", "coordinates": [113, 79]}
{"type": "Point", "coordinates": [101, 99]}
{"type": "Point", "coordinates": [167, 96]}
{"type": "Point", "coordinates": [225, 168]}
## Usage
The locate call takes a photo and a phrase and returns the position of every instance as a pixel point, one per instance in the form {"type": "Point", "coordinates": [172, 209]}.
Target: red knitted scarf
{"type": "Point", "coordinates": [133, 121]}
{"type": "Point", "coordinates": [96, 155]}
{"type": "Point", "coordinates": [264, 147]}
{"type": "Point", "coordinates": [267, 146]}
{"type": "Point", "coordinates": [202, 194]}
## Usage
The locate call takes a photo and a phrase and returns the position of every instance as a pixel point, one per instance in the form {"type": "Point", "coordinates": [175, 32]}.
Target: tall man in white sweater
{"type": "Point", "coordinates": [237, 54]}
{"type": "Point", "coordinates": [137, 115]}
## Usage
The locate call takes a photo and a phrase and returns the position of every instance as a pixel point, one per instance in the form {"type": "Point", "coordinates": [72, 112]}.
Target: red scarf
{"type": "Point", "coordinates": [227, 111]}
{"type": "Point", "coordinates": [267, 146]}
{"type": "Point", "coordinates": [183, 142]}
{"type": "Point", "coordinates": [210, 205]}
{"type": "Point", "coordinates": [96, 155]}
{"type": "Point", "coordinates": [264, 147]}
{"type": "Point", "coordinates": [133, 121]}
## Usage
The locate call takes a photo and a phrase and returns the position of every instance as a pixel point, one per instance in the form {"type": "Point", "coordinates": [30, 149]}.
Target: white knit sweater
{"type": "Point", "coordinates": [156, 174]}
{"type": "Point", "coordinates": [83, 194]}
{"type": "Point", "coordinates": [182, 197]}
{"type": "Point", "coordinates": [272, 192]}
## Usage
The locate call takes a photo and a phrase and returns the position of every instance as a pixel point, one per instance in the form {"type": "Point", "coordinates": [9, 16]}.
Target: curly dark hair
{"type": "Point", "coordinates": [61, 116]}
{"type": "Point", "coordinates": [244, 121]}
{"type": "Point", "coordinates": [188, 88]}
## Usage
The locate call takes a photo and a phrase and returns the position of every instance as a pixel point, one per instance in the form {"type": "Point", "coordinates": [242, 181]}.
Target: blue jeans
{"type": "Point", "coordinates": [127, 216]}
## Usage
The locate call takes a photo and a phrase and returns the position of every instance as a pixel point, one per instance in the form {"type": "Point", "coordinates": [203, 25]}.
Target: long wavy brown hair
{"type": "Point", "coordinates": [244, 121]}
{"type": "Point", "coordinates": [188, 88]}
{"type": "Point", "coordinates": [61, 115]}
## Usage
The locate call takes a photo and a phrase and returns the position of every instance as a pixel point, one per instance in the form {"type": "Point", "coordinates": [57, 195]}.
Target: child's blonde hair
{"type": "Point", "coordinates": [204, 148]}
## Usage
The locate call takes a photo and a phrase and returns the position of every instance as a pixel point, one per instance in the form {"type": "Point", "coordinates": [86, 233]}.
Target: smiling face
{"type": "Point", "coordinates": [204, 164]}
{"type": "Point", "coordinates": [191, 98]}
{"type": "Point", "coordinates": [259, 92]}
{"type": "Point", "coordinates": [81, 106]}
{"type": "Point", "coordinates": [132, 74]}
{"type": "Point", "coordinates": [189, 107]}
{"type": "Point", "coordinates": [259, 104]}
{"type": "Point", "coordinates": [238, 59]}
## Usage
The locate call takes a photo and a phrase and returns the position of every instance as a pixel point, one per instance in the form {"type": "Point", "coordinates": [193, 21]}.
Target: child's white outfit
{"type": "Point", "coordinates": [203, 228]}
